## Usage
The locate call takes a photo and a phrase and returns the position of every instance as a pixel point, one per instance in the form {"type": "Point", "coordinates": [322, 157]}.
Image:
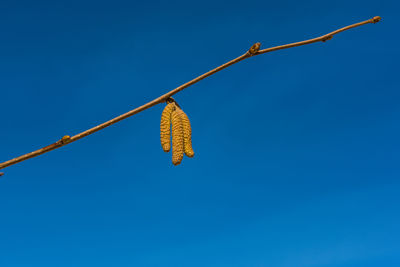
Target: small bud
{"type": "Point", "coordinates": [65, 139]}
{"type": "Point", "coordinates": [254, 48]}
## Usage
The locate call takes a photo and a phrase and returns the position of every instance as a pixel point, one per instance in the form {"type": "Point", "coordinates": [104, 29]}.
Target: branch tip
{"type": "Point", "coordinates": [376, 19]}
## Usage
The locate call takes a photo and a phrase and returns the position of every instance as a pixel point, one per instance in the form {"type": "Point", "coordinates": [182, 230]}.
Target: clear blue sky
{"type": "Point", "coordinates": [297, 151]}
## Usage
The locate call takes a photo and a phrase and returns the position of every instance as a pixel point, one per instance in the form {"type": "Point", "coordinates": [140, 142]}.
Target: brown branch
{"type": "Point", "coordinates": [253, 51]}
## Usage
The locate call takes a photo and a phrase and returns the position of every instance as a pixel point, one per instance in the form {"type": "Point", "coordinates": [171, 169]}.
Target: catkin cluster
{"type": "Point", "coordinates": [175, 123]}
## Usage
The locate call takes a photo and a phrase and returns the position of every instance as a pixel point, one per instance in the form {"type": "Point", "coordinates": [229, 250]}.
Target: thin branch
{"type": "Point", "coordinates": [253, 51]}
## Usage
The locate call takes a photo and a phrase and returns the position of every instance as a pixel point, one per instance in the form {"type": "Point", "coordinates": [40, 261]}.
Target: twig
{"type": "Point", "coordinates": [253, 51]}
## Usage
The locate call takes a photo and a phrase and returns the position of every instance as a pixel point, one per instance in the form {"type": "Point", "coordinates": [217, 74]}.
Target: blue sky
{"type": "Point", "coordinates": [297, 151]}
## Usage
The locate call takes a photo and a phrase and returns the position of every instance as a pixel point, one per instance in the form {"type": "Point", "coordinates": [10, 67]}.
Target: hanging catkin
{"type": "Point", "coordinates": [187, 133]}
{"type": "Point", "coordinates": [175, 123]}
{"type": "Point", "coordinates": [165, 126]}
{"type": "Point", "coordinates": [177, 138]}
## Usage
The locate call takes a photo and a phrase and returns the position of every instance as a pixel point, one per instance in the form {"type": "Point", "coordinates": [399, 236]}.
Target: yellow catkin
{"type": "Point", "coordinates": [187, 133]}
{"type": "Point", "coordinates": [165, 127]}
{"type": "Point", "coordinates": [177, 138]}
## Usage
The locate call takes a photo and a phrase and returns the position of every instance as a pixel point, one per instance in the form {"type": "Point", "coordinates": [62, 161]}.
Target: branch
{"type": "Point", "coordinates": [253, 51]}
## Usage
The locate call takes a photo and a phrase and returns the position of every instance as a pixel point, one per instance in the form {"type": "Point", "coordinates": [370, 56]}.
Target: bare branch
{"type": "Point", "coordinates": [253, 51]}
